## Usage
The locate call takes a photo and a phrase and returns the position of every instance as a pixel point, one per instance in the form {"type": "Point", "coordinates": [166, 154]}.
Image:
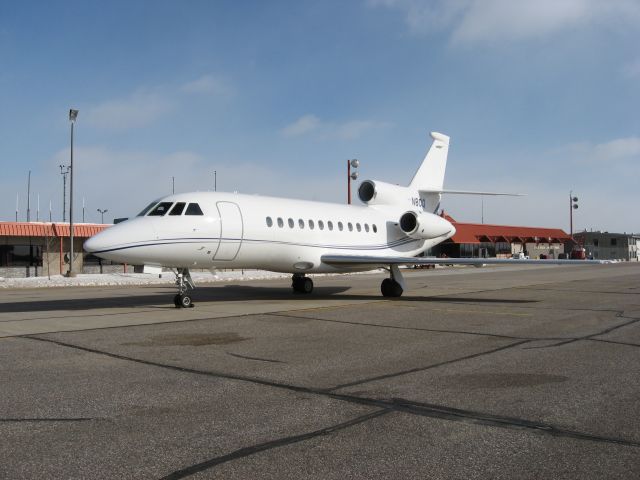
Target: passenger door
{"type": "Point", "coordinates": [231, 231]}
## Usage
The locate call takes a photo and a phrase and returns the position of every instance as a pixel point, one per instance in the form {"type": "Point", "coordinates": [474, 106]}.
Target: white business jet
{"type": "Point", "coordinates": [227, 230]}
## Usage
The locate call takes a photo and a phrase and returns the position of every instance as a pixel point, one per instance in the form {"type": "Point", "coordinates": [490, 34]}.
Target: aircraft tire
{"type": "Point", "coordinates": [185, 301]}
{"type": "Point", "coordinates": [390, 288]}
{"type": "Point", "coordinates": [176, 301]}
{"type": "Point", "coordinates": [307, 285]}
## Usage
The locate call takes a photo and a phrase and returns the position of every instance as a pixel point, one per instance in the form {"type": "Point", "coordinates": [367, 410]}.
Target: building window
{"type": "Point", "coordinates": [20, 255]}
{"type": "Point", "coordinates": [595, 242]}
{"type": "Point", "coordinates": [269, 222]}
{"type": "Point", "coordinates": [614, 242]}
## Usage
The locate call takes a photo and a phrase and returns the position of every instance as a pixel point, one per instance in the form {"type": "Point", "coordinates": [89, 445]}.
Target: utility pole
{"type": "Point", "coordinates": [73, 114]}
{"type": "Point", "coordinates": [29, 197]}
{"type": "Point", "coordinates": [64, 171]}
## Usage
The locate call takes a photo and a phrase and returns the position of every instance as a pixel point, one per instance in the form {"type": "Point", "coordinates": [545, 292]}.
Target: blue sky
{"type": "Point", "coordinates": [539, 97]}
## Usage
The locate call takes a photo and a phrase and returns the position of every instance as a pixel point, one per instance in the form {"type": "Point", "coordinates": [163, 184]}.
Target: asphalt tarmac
{"type": "Point", "coordinates": [505, 372]}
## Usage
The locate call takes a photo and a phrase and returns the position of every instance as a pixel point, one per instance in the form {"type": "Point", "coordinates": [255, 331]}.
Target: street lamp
{"type": "Point", "coordinates": [73, 114]}
{"type": "Point", "coordinates": [102, 212]}
{"type": "Point", "coordinates": [355, 163]}
{"type": "Point", "coordinates": [64, 171]}
{"type": "Point", "coordinates": [573, 205]}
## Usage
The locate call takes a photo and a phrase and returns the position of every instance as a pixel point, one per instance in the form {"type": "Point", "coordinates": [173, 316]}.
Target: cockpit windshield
{"type": "Point", "coordinates": [161, 209]}
{"type": "Point", "coordinates": [147, 208]}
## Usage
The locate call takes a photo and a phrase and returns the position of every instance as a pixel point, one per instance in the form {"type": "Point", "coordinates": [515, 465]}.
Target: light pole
{"type": "Point", "coordinates": [102, 212]}
{"type": "Point", "coordinates": [215, 180]}
{"type": "Point", "coordinates": [73, 114]}
{"type": "Point", "coordinates": [64, 171]}
{"type": "Point", "coordinates": [573, 205]}
{"type": "Point", "coordinates": [173, 184]}
{"type": "Point", "coordinates": [355, 163]}
{"type": "Point", "coordinates": [29, 198]}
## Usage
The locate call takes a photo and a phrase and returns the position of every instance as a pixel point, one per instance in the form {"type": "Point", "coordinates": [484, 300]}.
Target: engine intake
{"type": "Point", "coordinates": [380, 193]}
{"type": "Point", "coordinates": [425, 225]}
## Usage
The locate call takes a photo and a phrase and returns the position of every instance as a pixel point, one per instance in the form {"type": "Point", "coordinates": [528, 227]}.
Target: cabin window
{"type": "Point", "coordinates": [375, 229]}
{"type": "Point", "coordinates": [280, 222]}
{"type": "Point", "coordinates": [161, 209]}
{"type": "Point", "coordinates": [320, 224]}
{"type": "Point", "coordinates": [177, 208]}
{"type": "Point", "coordinates": [366, 227]}
{"type": "Point", "coordinates": [330, 225]}
{"type": "Point", "coordinates": [301, 223]}
{"type": "Point", "coordinates": [147, 208]}
{"type": "Point", "coordinates": [194, 209]}
{"type": "Point", "coordinates": [311, 224]}
{"type": "Point", "coordinates": [269, 222]}
{"type": "Point", "coordinates": [350, 227]}
{"type": "Point", "coordinates": [358, 227]}
{"type": "Point", "coordinates": [340, 227]}
{"type": "Point", "coordinates": [290, 222]}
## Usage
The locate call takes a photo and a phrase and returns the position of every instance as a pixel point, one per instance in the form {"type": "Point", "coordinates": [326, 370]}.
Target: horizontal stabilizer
{"type": "Point", "coordinates": [468, 192]}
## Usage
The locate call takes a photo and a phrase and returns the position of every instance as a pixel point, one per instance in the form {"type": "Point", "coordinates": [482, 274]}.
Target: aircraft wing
{"type": "Point", "coordinates": [374, 261]}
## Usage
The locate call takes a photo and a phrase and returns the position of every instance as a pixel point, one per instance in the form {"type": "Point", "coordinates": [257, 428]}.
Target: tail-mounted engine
{"type": "Point", "coordinates": [425, 225]}
{"type": "Point", "coordinates": [380, 193]}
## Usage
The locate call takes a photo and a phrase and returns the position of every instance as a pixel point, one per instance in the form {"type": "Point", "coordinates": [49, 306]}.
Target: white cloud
{"type": "Point", "coordinates": [305, 124]}
{"type": "Point", "coordinates": [139, 109]}
{"type": "Point", "coordinates": [207, 84]}
{"type": "Point", "coordinates": [619, 150]}
{"type": "Point", "coordinates": [473, 21]}
{"type": "Point", "coordinates": [349, 130]}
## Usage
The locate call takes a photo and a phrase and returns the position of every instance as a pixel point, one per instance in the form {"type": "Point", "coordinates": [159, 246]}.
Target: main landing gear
{"type": "Point", "coordinates": [394, 285]}
{"type": "Point", "coordinates": [301, 284]}
{"type": "Point", "coordinates": [184, 283]}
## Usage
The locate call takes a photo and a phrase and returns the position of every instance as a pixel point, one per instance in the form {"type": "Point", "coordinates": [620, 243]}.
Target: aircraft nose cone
{"type": "Point", "coordinates": [93, 244]}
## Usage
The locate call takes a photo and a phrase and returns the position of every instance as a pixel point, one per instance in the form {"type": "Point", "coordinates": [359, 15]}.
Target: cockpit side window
{"type": "Point", "coordinates": [177, 208]}
{"type": "Point", "coordinates": [161, 209]}
{"type": "Point", "coordinates": [147, 208]}
{"type": "Point", "coordinates": [194, 209]}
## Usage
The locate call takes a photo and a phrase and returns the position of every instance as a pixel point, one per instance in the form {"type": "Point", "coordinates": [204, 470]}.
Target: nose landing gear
{"type": "Point", "coordinates": [184, 283]}
{"type": "Point", "coordinates": [301, 284]}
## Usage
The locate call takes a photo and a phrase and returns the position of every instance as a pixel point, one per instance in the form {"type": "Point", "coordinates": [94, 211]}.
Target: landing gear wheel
{"type": "Point", "coordinates": [302, 284]}
{"type": "Point", "coordinates": [185, 301]}
{"type": "Point", "coordinates": [176, 301]}
{"type": "Point", "coordinates": [307, 285]}
{"type": "Point", "coordinates": [390, 288]}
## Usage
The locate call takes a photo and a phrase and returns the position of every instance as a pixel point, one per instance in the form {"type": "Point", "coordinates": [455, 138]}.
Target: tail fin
{"type": "Point", "coordinates": [429, 179]}
{"type": "Point", "coordinates": [430, 175]}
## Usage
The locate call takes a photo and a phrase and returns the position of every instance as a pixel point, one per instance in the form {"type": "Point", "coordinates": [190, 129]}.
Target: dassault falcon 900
{"type": "Point", "coordinates": [213, 230]}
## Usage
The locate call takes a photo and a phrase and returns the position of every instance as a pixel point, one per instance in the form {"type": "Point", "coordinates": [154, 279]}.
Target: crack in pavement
{"type": "Point", "coordinates": [261, 447]}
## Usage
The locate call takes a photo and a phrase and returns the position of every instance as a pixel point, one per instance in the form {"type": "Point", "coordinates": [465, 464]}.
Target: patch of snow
{"type": "Point", "coordinates": [116, 279]}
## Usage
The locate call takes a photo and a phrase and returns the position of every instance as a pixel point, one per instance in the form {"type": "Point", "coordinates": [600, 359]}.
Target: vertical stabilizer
{"type": "Point", "coordinates": [430, 175]}
{"type": "Point", "coordinates": [429, 179]}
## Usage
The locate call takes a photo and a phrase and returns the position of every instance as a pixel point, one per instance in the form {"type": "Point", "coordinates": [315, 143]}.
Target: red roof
{"type": "Point", "coordinates": [482, 232]}
{"type": "Point", "coordinates": [37, 229]}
